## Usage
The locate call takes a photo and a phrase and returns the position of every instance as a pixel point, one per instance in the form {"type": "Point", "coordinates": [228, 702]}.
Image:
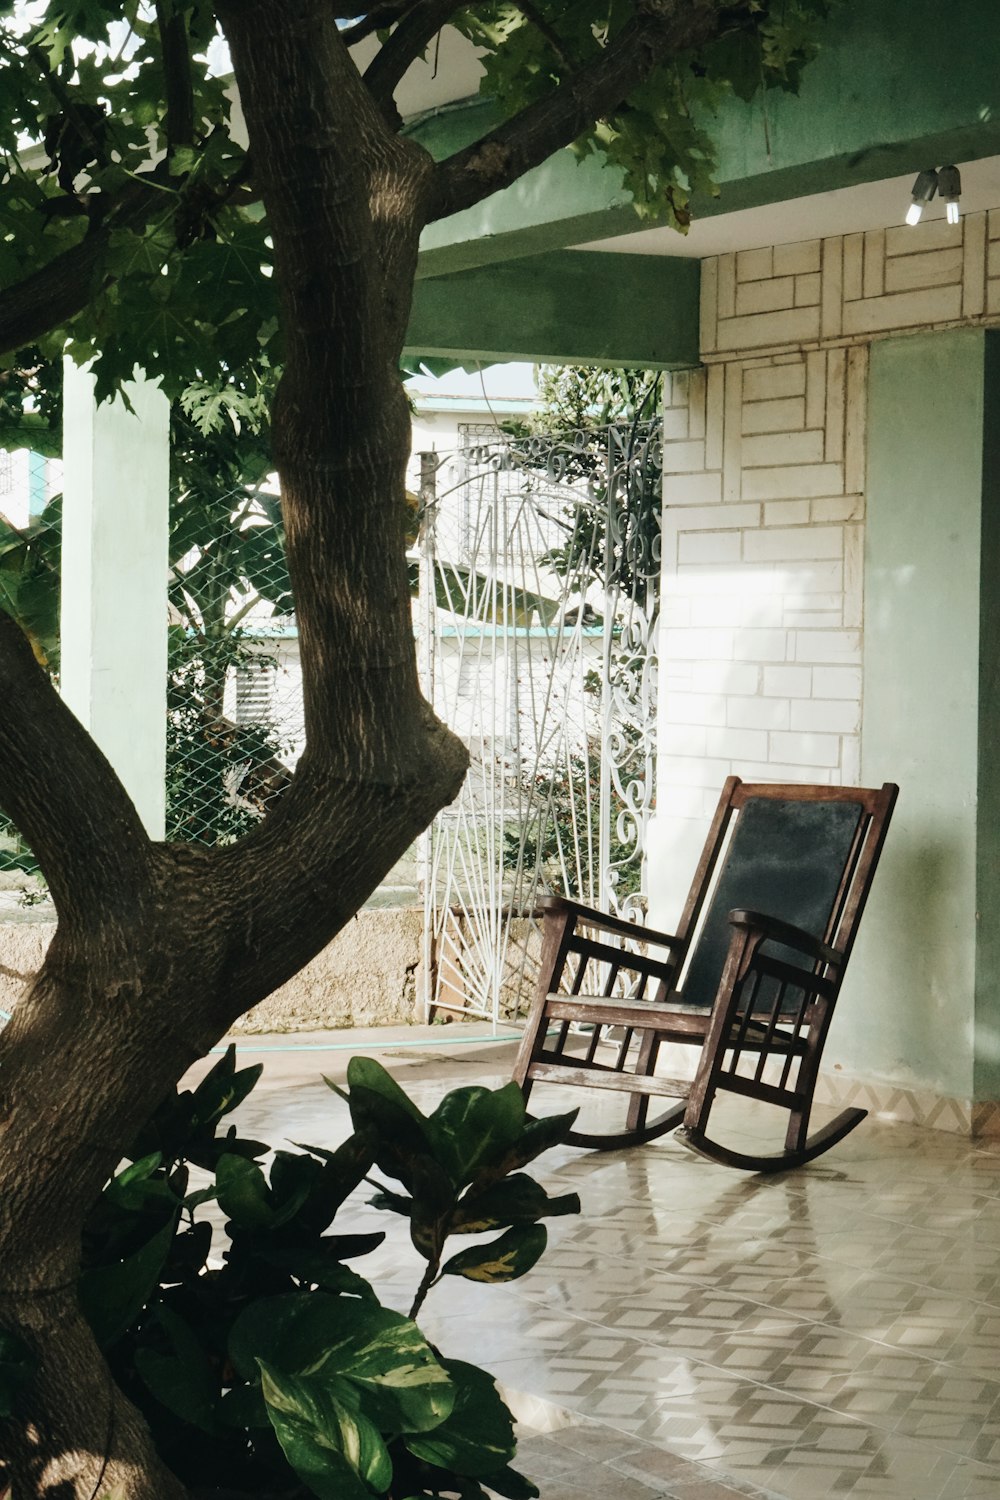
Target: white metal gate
{"type": "Point", "coordinates": [538, 594]}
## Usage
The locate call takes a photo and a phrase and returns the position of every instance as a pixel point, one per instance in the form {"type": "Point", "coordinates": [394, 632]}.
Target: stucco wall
{"type": "Point", "coordinates": [368, 976]}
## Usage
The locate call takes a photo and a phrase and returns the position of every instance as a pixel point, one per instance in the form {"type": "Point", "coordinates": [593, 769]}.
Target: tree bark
{"type": "Point", "coordinates": [160, 948]}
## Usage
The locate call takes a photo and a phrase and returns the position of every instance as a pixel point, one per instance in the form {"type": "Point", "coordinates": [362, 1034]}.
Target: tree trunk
{"type": "Point", "coordinates": [160, 948]}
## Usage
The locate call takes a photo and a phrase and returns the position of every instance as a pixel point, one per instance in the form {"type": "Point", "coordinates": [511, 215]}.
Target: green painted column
{"type": "Point", "coordinates": [113, 658]}
{"type": "Point", "coordinates": [922, 1008]}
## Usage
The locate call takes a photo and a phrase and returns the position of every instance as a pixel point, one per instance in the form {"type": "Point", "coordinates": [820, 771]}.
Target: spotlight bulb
{"type": "Point", "coordinates": [950, 188]}
{"type": "Point", "coordinates": [923, 191]}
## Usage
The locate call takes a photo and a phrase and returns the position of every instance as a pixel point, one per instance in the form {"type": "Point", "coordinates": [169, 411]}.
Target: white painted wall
{"type": "Point", "coordinates": [113, 667]}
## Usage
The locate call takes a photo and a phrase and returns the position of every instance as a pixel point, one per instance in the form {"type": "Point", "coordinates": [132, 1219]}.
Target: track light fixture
{"type": "Point", "coordinates": [944, 180]}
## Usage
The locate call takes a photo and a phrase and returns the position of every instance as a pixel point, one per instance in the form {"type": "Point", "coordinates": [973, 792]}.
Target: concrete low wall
{"type": "Point", "coordinates": [368, 976]}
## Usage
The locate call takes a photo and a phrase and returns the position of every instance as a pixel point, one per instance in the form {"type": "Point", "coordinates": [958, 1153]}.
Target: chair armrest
{"type": "Point", "coordinates": [772, 929]}
{"type": "Point", "coordinates": [606, 923]}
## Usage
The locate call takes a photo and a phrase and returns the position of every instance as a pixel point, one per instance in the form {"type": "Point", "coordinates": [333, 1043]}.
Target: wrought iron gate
{"type": "Point", "coordinates": [539, 576]}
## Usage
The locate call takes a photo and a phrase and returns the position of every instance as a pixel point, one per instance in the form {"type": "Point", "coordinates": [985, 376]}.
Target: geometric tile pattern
{"type": "Point", "coordinates": [910, 1106]}
{"type": "Point", "coordinates": [700, 1334]}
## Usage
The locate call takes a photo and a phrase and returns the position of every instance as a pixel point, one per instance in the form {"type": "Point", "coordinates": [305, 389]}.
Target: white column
{"type": "Point", "coordinates": [113, 657]}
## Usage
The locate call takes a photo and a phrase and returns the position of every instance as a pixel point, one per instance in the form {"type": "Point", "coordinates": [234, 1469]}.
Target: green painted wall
{"type": "Point", "coordinates": [898, 85]}
{"type": "Point", "coordinates": [987, 1053]}
{"type": "Point", "coordinates": [913, 1006]}
{"type": "Point", "coordinates": [569, 307]}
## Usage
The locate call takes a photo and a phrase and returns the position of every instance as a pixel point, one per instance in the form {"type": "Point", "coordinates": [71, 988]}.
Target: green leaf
{"type": "Point", "coordinates": [474, 1126]}
{"type": "Point", "coordinates": [377, 1349]}
{"type": "Point", "coordinates": [478, 1438]}
{"type": "Point", "coordinates": [507, 1258]}
{"type": "Point", "coordinates": [317, 1421]}
{"type": "Point", "coordinates": [513, 1486]}
{"type": "Point", "coordinates": [16, 1365]}
{"type": "Point", "coordinates": [365, 1072]}
{"type": "Point", "coordinates": [112, 1297]}
{"type": "Point", "coordinates": [183, 1380]}
{"type": "Point", "coordinates": [381, 1110]}
{"type": "Point", "coordinates": [241, 1189]}
{"type": "Point", "coordinates": [223, 1089]}
{"type": "Point", "coordinates": [243, 1406]}
{"type": "Point", "coordinates": [537, 1136]}
{"type": "Point", "coordinates": [323, 1270]}
{"type": "Point", "coordinates": [516, 1200]}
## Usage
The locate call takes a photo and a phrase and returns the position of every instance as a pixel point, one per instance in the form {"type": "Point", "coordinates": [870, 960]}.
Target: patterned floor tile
{"type": "Point", "coordinates": [698, 1333]}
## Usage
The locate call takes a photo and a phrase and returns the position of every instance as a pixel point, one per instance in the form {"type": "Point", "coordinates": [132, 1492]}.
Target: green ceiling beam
{"type": "Point", "coordinates": [898, 85]}
{"type": "Point", "coordinates": [567, 307]}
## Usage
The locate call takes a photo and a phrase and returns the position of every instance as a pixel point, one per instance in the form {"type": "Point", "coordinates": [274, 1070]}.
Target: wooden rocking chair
{"type": "Point", "coordinates": [751, 977]}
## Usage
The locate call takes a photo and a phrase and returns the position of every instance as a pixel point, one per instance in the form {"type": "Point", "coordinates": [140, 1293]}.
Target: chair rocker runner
{"type": "Point", "coordinates": [751, 977]}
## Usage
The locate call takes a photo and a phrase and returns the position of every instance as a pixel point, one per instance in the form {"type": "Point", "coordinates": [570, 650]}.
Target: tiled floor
{"type": "Point", "coordinates": [698, 1332]}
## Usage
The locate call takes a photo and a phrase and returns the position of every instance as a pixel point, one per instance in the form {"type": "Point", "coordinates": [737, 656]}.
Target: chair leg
{"type": "Point", "coordinates": [531, 1045]}
{"type": "Point", "coordinates": [638, 1104]}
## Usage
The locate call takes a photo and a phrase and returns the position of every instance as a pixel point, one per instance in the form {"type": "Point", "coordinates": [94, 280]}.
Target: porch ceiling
{"type": "Point", "coordinates": [526, 275]}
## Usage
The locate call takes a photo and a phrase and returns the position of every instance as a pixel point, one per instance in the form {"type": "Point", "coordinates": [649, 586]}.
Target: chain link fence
{"type": "Point", "coordinates": [234, 684]}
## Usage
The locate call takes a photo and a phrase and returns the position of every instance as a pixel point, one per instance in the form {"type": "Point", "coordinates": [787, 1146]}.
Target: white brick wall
{"type": "Point", "coordinates": [760, 573]}
{"type": "Point", "coordinates": [764, 483]}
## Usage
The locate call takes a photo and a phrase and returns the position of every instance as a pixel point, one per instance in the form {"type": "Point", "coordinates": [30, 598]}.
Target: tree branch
{"type": "Point", "coordinates": [176, 55]}
{"type": "Point", "coordinates": [58, 291]}
{"type": "Point", "coordinates": [531, 13]}
{"type": "Point", "coordinates": [404, 46]}
{"type": "Point", "coordinates": [63, 795]}
{"type": "Point", "coordinates": [660, 29]}
{"type": "Point", "coordinates": [378, 17]}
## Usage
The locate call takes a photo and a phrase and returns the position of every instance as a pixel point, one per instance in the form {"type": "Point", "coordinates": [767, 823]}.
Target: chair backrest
{"type": "Point", "coordinates": [803, 854]}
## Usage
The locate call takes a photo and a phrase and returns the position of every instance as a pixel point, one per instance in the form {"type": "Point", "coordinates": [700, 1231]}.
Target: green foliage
{"type": "Point", "coordinates": [661, 138]}
{"type": "Point", "coordinates": [269, 1365]}
{"type": "Point", "coordinates": [576, 396]}
{"type": "Point", "coordinates": [181, 277]}
{"type": "Point", "coordinates": [566, 814]}
{"type": "Point", "coordinates": [455, 1167]}
{"type": "Point", "coordinates": [29, 579]}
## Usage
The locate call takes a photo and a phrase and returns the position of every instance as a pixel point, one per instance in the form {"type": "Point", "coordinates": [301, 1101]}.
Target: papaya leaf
{"type": "Point", "coordinates": [505, 1259]}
